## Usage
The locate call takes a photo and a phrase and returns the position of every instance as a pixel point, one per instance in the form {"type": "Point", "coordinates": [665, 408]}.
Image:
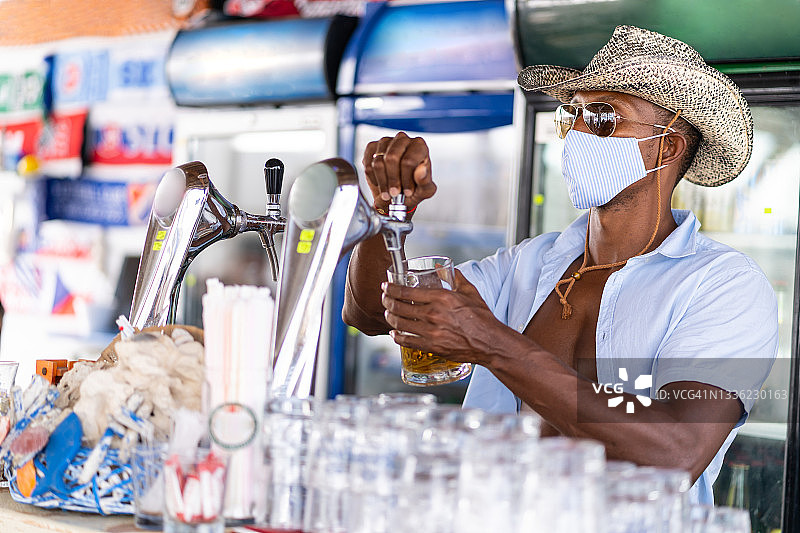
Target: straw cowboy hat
{"type": "Point", "coordinates": [671, 74]}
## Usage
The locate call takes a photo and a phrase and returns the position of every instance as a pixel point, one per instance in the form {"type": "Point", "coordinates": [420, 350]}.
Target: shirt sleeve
{"type": "Point", "coordinates": [494, 279]}
{"type": "Point", "coordinates": [489, 274]}
{"type": "Point", "coordinates": [727, 336]}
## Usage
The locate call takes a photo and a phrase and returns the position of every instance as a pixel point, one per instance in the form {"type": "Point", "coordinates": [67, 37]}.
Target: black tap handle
{"type": "Point", "coordinates": [273, 175]}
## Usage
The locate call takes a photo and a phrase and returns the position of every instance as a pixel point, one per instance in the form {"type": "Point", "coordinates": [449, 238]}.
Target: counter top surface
{"type": "Point", "coordinates": [22, 518]}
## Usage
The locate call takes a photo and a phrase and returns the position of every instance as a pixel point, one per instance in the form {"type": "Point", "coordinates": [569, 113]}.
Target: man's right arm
{"type": "Point", "coordinates": [392, 165]}
{"type": "Point", "coordinates": [362, 294]}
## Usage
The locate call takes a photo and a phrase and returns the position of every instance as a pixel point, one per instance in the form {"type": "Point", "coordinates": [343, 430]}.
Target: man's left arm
{"type": "Point", "coordinates": [686, 430]}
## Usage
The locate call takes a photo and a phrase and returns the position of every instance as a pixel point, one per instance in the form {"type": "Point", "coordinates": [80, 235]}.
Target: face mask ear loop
{"type": "Point", "coordinates": [566, 308]}
{"type": "Point", "coordinates": [659, 166]}
{"type": "Point", "coordinates": [656, 136]}
{"type": "Point", "coordinates": [660, 144]}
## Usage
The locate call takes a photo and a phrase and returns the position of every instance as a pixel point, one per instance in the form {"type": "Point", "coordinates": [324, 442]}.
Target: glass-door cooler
{"type": "Point", "coordinates": [443, 71]}
{"type": "Point", "coordinates": [757, 213]}
{"type": "Point", "coordinates": [247, 92]}
{"type": "Point", "coordinates": [466, 219]}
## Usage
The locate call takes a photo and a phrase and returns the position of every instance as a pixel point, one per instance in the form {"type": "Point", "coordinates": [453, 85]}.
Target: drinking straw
{"type": "Point", "coordinates": [238, 327]}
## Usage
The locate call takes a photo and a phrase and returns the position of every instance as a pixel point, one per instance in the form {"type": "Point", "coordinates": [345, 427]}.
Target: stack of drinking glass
{"type": "Point", "coordinates": [402, 463]}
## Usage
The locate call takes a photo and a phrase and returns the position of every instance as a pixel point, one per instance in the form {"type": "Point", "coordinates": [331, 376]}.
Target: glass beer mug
{"type": "Point", "coordinates": [418, 367]}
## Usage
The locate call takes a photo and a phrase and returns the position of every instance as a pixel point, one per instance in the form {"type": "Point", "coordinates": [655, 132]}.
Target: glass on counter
{"type": "Point", "coordinates": [405, 464]}
{"type": "Point", "coordinates": [194, 492]}
{"type": "Point", "coordinates": [287, 428]}
{"type": "Point", "coordinates": [147, 466]}
{"type": "Point", "coordinates": [8, 373]}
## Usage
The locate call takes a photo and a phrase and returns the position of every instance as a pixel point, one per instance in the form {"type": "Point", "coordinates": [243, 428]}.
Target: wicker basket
{"type": "Point", "coordinates": [109, 491]}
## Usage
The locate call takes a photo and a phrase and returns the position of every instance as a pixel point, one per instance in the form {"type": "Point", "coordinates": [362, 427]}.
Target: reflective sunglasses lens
{"type": "Point", "coordinates": [600, 118]}
{"type": "Point", "coordinates": [565, 119]}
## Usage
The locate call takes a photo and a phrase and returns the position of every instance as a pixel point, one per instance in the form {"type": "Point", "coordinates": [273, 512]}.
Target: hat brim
{"type": "Point", "coordinates": [726, 142]}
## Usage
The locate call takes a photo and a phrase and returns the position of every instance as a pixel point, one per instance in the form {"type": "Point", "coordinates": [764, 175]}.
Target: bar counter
{"type": "Point", "coordinates": [22, 518]}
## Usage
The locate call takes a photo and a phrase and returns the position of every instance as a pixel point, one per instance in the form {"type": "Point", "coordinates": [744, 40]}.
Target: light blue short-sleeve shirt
{"type": "Point", "coordinates": [691, 310]}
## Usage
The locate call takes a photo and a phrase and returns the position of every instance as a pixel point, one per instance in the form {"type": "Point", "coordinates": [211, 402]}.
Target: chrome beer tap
{"type": "Point", "coordinates": [189, 215]}
{"type": "Point", "coordinates": [327, 217]}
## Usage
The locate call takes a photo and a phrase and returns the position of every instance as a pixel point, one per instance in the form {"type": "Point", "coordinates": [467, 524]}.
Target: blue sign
{"type": "Point", "coordinates": [84, 200]}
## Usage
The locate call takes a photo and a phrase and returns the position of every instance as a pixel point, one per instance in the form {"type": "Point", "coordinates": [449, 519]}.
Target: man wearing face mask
{"type": "Point", "coordinates": [628, 289]}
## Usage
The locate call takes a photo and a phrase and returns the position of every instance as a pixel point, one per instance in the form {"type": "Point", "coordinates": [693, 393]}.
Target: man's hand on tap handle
{"type": "Point", "coordinates": [399, 164]}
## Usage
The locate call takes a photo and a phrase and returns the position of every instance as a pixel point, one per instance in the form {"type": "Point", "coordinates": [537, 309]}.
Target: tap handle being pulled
{"type": "Point", "coordinates": [273, 175]}
{"type": "Point", "coordinates": [397, 207]}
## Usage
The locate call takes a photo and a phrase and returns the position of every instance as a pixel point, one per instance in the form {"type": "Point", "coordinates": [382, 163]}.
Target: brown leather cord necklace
{"type": "Point", "coordinates": [566, 310]}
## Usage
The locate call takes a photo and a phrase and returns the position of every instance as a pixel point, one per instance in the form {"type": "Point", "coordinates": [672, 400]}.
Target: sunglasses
{"type": "Point", "coordinates": [599, 117]}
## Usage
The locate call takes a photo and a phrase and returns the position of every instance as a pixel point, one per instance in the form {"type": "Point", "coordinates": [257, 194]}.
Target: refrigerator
{"type": "Point", "coordinates": [443, 71]}
{"type": "Point", "coordinates": [247, 92]}
{"type": "Point", "coordinates": [757, 213]}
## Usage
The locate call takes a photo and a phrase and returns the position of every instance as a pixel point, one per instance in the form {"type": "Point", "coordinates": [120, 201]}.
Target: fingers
{"type": "Point", "coordinates": [417, 317]}
{"type": "Point", "coordinates": [396, 297]}
{"type": "Point", "coordinates": [398, 164]}
{"type": "Point", "coordinates": [377, 181]}
{"type": "Point", "coordinates": [404, 317]}
{"type": "Point", "coordinates": [416, 294]}
{"type": "Point", "coordinates": [420, 175]}
{"type": "Point", "coordinates": [424, 185]}
{"type": "Point", "coordinates": [417, 311]}
{"type": "Point", "coordinates": [407, 325]}
{"type": "Point", "coordinates": [409, 341]}
{"type": "Point", "coordinates": [395, 165]}
{"type": "Point", "coordinates": [415, 156]}
{"type": "Point", "coordinates": [398, 307]}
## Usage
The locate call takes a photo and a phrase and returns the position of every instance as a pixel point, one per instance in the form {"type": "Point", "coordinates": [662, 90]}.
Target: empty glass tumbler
{"type": "Point", "coordinates": [334, 427]}
{"type": "Point", "coordinates": [708, 519]}
{"type": "Point", "coordinates": [287, 428]}
{"type": "Point", "coordinates": [147, 465]}
{"type": "Point", "coordinates": [564, 491]}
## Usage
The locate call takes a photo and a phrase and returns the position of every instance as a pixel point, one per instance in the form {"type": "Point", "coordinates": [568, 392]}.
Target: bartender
{"type": "Point", "coordinates": [629, 327]}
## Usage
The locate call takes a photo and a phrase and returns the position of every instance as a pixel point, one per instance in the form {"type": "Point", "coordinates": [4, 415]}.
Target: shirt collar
{"type": "Point", "coordinates": [680, 243]}
{"type": "Point", "coordinates": [683, 240]}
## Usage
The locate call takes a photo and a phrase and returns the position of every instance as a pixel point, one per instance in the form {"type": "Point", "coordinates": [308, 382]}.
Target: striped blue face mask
{"type": "Point", "coordinates": [596, 168]}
